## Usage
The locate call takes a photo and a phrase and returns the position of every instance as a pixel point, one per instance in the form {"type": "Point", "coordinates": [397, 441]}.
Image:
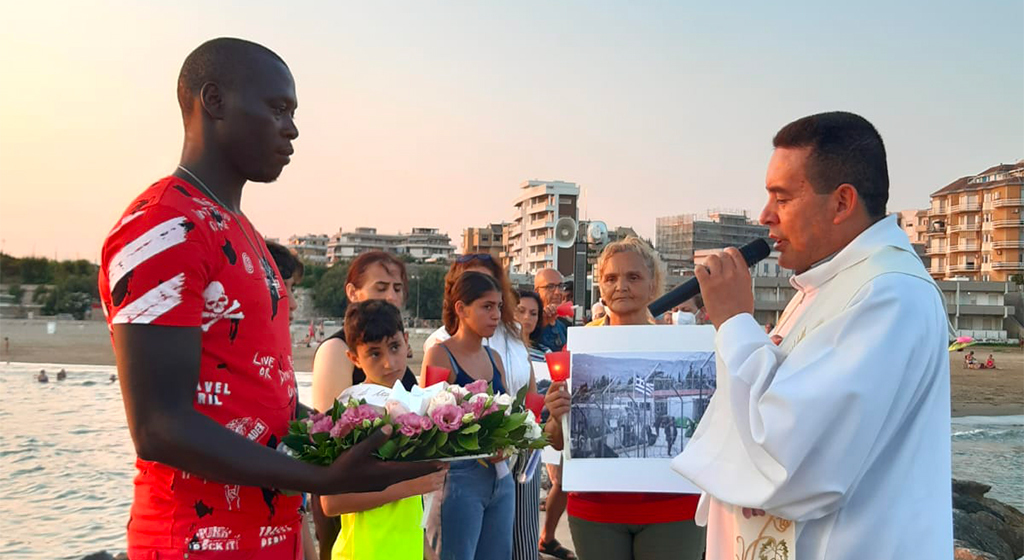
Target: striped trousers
{"type": "Point", "coordinates": [526, 528]}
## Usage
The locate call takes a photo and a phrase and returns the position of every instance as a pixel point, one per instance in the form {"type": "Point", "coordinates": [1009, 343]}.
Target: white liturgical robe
{"type": "Point", "coordinates": [844, 427]}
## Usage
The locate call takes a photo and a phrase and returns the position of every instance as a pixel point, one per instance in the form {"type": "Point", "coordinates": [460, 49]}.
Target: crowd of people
{"type": "Point", "coordinates": [803, 431]}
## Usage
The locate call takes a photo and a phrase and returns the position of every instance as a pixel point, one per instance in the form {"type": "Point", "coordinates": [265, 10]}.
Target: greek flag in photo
{"type": "Point", "coordinates": [642, 387]}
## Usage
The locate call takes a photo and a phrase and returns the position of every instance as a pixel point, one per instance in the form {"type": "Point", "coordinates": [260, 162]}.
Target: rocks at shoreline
{"type": "Point", "coordinates": [984, 528]}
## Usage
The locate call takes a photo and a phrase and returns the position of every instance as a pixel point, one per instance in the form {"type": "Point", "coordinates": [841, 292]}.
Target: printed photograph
{"type": "Point", "coordinates": [638, 407]}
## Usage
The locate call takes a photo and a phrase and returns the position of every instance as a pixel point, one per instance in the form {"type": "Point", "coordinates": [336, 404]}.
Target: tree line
{"type": "Point", "coordinates": [67, 286]}
{"type": "Point", "coordinates": [70, 286]}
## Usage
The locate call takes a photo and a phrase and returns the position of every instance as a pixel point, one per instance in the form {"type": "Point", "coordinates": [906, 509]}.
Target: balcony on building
{"type": "Point", "coordinates": [1004, 202]}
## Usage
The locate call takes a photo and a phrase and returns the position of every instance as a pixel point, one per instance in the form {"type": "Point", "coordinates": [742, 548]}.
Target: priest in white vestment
{"type": "Point", "coordinates": [830, 437]}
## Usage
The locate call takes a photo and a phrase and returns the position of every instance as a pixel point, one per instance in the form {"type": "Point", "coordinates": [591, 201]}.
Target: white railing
{"type": "Point", "coordinates": [1012, 244]}
{"type": "Point", "coordinates": [935, 250]}
{"type": "Point", "coordinates": [967, 207]}
{"type": "Point", "coordinates": [964, 227]}
{"type": "Point", "coordinates": [1007, 202]}
{"type": "Point", "coordinates": [940, 211]}
{"type": "Point", "coordinates": [1007, 266]}
{"type": "Point", "coordinates": [963, 267]}
{"type": "Point", "coordinates": [963, 247]}
{"type": "Point", "coordinates": [1008, 223]}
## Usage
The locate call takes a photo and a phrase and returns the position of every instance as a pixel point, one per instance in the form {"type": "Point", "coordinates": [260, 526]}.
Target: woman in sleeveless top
{"type": "Point", "coordinates": [372, 275]}
{"type": "Point", "coordinates": [478, 506]}
{"type": "Point", "coordinates": [515, 357]}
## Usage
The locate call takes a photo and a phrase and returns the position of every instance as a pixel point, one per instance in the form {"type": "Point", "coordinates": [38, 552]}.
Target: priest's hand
{"type": "Point", "coordinates": [725, 286]}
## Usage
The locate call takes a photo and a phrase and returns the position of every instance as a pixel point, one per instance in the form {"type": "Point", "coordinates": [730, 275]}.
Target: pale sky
{"type": "Point", "coordinates": [430, 114]}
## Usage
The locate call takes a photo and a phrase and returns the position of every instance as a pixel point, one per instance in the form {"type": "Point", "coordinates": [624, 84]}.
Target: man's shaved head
{"type": "Point", "coordinates": [224, 61]}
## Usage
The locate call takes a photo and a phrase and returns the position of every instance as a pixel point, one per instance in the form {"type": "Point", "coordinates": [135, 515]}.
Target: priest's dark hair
{"type": "Point", "coordinates": [845, 148]}
{"type": "Point", "coordinates": [225, 61]}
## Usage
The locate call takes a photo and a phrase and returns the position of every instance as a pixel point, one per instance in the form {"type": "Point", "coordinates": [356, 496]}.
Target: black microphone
{"type": "Point", "coordinates": [753, 253]}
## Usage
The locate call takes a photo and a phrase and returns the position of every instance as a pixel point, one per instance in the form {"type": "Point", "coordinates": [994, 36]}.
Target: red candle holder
{"type": "Point", "coordinates": [437, 374]}
{"type": "Point", "coordinates": [535, 403]}
{"type": "Point", "coordinates": [558, 365]}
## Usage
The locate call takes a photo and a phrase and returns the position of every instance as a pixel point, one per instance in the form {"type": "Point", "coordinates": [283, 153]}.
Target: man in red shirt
{"type": "Point", "coordinates": [199, 322]}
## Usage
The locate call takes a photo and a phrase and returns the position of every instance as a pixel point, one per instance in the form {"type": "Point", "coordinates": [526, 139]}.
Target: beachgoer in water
{"type": "Point", "coordinates": [62, 375]}
{"type": "Point", "coordinates": [113, 377]}
{"type": "Point", "coordinates": [7, 349]}
{"type": "Point", "coordinates": [42, 378]}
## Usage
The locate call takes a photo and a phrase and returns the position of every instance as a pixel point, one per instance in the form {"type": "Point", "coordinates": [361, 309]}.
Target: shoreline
{"type": "Point", "coordinates": [959, 410]}
{"type": "Point", "coordinates": [85, 344]}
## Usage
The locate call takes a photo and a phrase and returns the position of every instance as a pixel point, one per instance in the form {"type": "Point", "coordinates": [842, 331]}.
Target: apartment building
{"type": "Point", "coordinates": [976, 230]}
{"type": "Point", "coordinates": [422, 244]}
{"type": "Point", "coordinates": [488, 239]}
{"type": "Point", "coordinates": [311, 248]}
{"type": "Point", "coordinates": [677, 238]}
{"type": "Point", "coordinates": [529, 239]}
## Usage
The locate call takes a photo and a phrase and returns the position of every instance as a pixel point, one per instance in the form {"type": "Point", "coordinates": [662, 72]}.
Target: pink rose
{"type": "Point", "coordinates": [321, 423]}
{"type": "Point", "coordinates": [476, 405]}
{"type": "Point", "coordinates": [356, 415]}
{"type": "Point", "coordinates": [478, 386]}
{"type": "Point", "coordinates": [411, 424]}
{"type": "Point", "coordinates": [426, 423]}
{"type": "Point", "coordinates": [340, 429]}
{"type": "Point", "coordinates": [395, 409]}
{"type": "Point", "coordinates": [447, 418]}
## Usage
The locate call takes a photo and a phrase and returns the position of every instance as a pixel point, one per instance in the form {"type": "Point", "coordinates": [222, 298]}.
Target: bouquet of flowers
{"type": "Point", "coordinates": [439, 422]}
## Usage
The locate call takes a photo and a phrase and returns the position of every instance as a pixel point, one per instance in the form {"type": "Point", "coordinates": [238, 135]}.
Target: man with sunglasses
{"type": "Point", "coordinates": [549, 284]}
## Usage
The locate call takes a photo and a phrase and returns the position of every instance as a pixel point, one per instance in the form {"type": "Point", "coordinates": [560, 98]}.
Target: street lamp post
{"type": "Point", "coordinates": [416, 277]}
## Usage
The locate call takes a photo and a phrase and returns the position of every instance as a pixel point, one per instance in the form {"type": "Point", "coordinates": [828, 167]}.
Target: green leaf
{"type": "Point", "coordinates": [468, 441]}
{"type": "Point", "coordinates": [295, 441]}
{"type": "Point", "coordinates": [388, 450]}
{"type": "Point", "coordinates": [471, 429]}
{"type": "Point", "coordinates": [492, 420]}
{"type": "Point", "coordinates": [514, 421]}
{"type": "Point", "coordinates": [521, 397]}
{"type": "Point", "coordinates": [442, 438]}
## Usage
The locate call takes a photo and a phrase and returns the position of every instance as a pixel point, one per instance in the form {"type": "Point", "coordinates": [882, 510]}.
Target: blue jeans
{"type": "Point", "coordinates": [477, 513]}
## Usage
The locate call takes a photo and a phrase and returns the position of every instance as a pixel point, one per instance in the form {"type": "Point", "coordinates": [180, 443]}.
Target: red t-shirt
{"type": "Point", "coordinates": [176, 258]}
{"type": "Point", "coordinates": [631, 508]}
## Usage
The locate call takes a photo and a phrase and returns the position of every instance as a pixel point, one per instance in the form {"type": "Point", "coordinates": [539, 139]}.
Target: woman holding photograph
{"type": "Point", "coordinates": [641, 526]}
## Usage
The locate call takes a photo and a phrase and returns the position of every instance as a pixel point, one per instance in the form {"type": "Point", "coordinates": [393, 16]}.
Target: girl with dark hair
{"type": "Point", "coordinates": [515, 357]}
{"type": "Point", "coordinates": [478, 508]}
{"type": "Point", "coordinates": [506, 338]}
{"type": "Point", "coordinates": [372, 275]}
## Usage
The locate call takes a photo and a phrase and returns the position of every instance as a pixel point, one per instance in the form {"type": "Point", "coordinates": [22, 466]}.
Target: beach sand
{"type": "Point", "coordinates": [974, 392]}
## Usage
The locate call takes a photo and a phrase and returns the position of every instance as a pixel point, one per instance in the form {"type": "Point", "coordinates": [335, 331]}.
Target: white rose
{"type": "Point", "coordinates": [501, 399]}
{"type": "Point", "coordinates": [441, 399]}
{"type": "Point", "coordinates": [480, 397]}
{"type": "Point", "coordinates": [459, 392]}
{"type": "Point", "coordinates": [533, 429]}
